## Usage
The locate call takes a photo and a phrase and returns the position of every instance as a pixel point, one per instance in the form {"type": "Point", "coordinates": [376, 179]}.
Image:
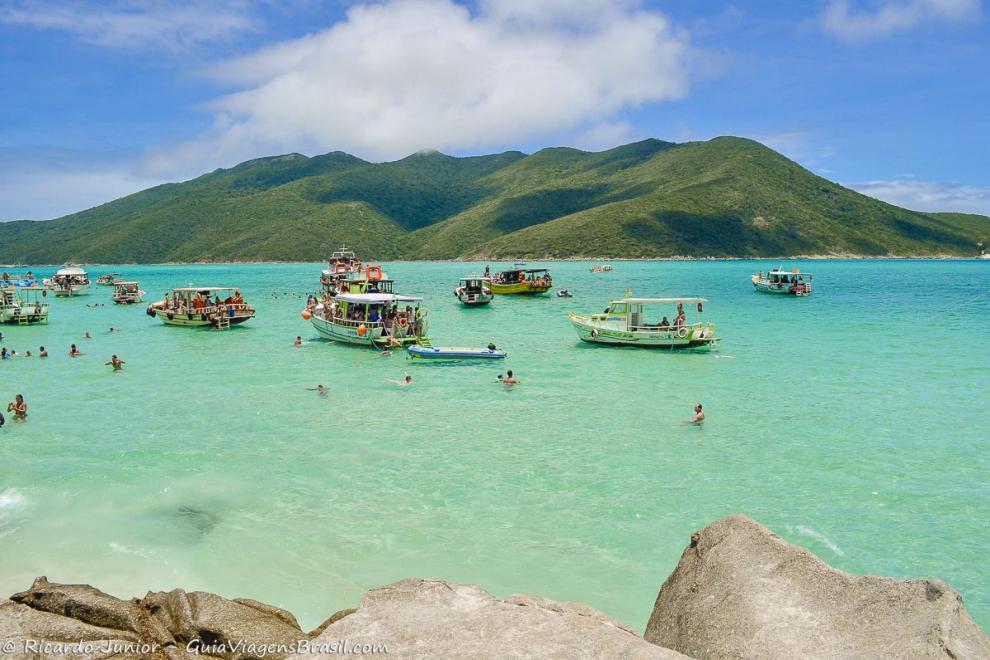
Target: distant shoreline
{"type": "Point", "coordinates": [803, 257]}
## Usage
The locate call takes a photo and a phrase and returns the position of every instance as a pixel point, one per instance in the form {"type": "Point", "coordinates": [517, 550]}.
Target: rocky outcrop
{"type": "Point", "coordinates": [72, 620]}
{"type": "Point", "coordinates": [408, 619]}
{"type": "Point", "coordinates": [438, 619]}
{"type": "Point", "coordinates": [741, 591]}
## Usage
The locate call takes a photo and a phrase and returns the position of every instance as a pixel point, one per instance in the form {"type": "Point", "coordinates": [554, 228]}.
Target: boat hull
{"type": "Point", "coordinates": [519, 289]}
{"type": "Point", "coordinates": [73, 290]}
{"type": "Point", "coordinates": [20, 318]}
{"type": "Point", "coordinates": [696, 337]}
{"type": "Point", "coordinates": [346, 333]}
{"type": "Point", "coordinates": [453, 353]}
{"type": "Point", "coordinates": [475, 299]}
{"type": "Point", "coordinates": [198, 319]}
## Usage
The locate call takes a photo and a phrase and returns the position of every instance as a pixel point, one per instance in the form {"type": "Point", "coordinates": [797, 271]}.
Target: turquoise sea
{"type": "Point", "coordinates": [855, 422]}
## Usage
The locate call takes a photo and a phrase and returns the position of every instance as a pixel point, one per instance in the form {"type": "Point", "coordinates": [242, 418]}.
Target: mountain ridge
{"type": "Point", "coordinates": [725, 197]}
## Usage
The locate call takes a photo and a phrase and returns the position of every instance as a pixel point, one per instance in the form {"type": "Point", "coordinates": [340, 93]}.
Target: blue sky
{"type": "Point", "coordinates": [101, 99]}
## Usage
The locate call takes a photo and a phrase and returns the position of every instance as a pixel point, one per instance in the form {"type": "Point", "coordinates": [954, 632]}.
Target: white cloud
{"type": "Point", "coordinates": [401, 75]}
{"type": "Point", "coordinates": [139, 24]}
{"type": "Point", "coordinates": [849, 23]}
{"type": "Point", "coordinates": [79, 181]}
{"type": "Point", "coordinates": [928, 195]}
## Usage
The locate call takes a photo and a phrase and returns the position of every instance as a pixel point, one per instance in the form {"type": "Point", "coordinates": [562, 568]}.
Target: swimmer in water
{"type": "Point", "coordinates": [406, 380]}
{"type": "Point", "coordinates": [116, 363]}
{"type": "Point", "coordinates": [699, 416]}
{"type": "Point", "coordinates": [87, 336]}
{"type": "Point", "coordinates": [510, 380]}
{"type": "Point", "coordinates": [319, 389]}
{"type": "Point", "coordinates": [297, 342]}
{"type": "Point", "coordinates": [74, 352]}
{"type": "Point", "coordinates": [113, 329]}
{"type": "Point", "coordinates": [18, 407]}
{"type": "Point", "coordinates": [42, 352]}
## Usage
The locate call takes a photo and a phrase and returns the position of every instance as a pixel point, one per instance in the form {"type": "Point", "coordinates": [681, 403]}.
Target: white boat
{"type": "Point", "coordinates": [126, 293]}
{"type": "Point", "coordinates": [107, 280]}
{"type": "Point", "coordinates": [603, 268]}
{"type": "Point", "coordinates": [23, 305]}
{"type": "Point", "coordinates": [201, 306]}
{"type": "Point", "coordinates": [69, 281]}
{"type": "Point", "coordinates": [779, 281]}
{"type": "Point", "coordinates": [624, 323]}
{"type": "Point", "coordinates": [474, 291]}
{"type": "Point", "coordinates": [449, 353]}
{"type": "Point", "coordinates": [370, 318]}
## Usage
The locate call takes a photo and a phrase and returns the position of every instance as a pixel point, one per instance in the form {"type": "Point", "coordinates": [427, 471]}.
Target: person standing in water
{"type": "Point", "coordinates": [510, 380]}
{"type": "Point", "coordinates": [42, 352]}
{"type": "Point", "coordinates": [18, 407]}
{"type": "Point", "coordinates": [116, 363]}
{"type": "Point", "coordinates": [699, 416]}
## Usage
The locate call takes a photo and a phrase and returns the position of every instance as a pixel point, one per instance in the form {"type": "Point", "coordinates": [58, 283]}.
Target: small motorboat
{"type": "Point", "coordinates": [564, 293]}
{"type": "Point", "coordinates": [454, 353]}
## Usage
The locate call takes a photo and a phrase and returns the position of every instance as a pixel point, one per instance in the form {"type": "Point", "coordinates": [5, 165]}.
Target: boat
{"type": "Point", "coordinates": [69, 281]}
{"type": "Point", "coordinates": [7, 280]}
{"type": "Point", "coordinates": [624, 323]}
{"type": "Point", "coordinates": [23, 305]}
{"type": "Point", "coordinates": [201, 307]}
{"type": "Point", "coordinates": [342, 263]}
{"type": "Point", "coordinates": [474, 291]}
{"type": "Point", "coordinates": [126, 293]}
{"type": "Point", "coordinates": [370, 319]}
{"type": "Point", "coordinates": [107, 280]}
{"type": "Point", "coordinates": [564, 293]}
{"type": "Point", "coordinates": [603, 268]}
{"type": "Point", "coordinates": [453, 353]}
{"type": "Point", "coordinates": [531, 281]}
{"type": "Point", "coordinates": [794, 283]}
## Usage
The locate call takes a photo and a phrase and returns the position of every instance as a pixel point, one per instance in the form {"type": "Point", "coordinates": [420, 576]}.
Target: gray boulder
{"type": "Point", "coordinates": [418, 618]}
{"type": "Point", "coordinates": [741, 591]}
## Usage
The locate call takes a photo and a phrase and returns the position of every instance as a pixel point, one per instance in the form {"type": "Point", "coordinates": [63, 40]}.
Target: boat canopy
{"type": "Point", "coordinates": [72, 270]}
{"type": "Point", "coordinates": [659, 300]}
{"type": "Point", "coordinates": [374, 298]}
{"type": "Point", "coordinates": [123, 283]}
{"type": "Point", "coordinates": [778, 271]}
{"type": "Point", "coordinates": [472, 278]}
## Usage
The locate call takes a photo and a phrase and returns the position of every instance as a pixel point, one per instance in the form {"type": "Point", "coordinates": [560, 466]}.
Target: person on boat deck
{"type": "Point", "coordinates": [664, 323]}
{"type": "Point", "coordinates": [198, 303]}
{"type": "Point", "coordinates": [238, 298]}
{"type": "Point", "coordinates": [680, 319]}
{"type": "Point", "coordinates": [375, 317]}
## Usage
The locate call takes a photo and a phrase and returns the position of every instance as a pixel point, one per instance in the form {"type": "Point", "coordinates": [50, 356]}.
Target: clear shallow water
{"type": "Point", "coordinates": [855, 422]}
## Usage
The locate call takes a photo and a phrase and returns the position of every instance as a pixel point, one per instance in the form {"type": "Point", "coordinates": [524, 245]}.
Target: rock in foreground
{"type": "Point", "coordinates": [741, 591]}
{"type": "Point", "coordinates": [438, 619]}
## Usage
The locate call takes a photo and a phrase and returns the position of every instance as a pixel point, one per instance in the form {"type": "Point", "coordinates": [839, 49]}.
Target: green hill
{"type": "Point", "coordinates": [724, 197]}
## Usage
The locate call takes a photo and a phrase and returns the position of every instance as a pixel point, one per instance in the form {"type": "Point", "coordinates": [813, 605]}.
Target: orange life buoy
{"type": "Point", "coordinates": [699, 308]}
{"type": "Point", "coordinates": [340, 269]}
{"type": "Point", "coordinates": [373, 273]}
{"type": "Point", "coordinates": [403, 322]}
{"type": "Point", "coordinates": [362, 331]}
{"type": "Point", "coordinates": [306, 314]}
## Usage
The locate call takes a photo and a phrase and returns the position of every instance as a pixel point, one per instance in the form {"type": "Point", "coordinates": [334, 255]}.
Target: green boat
{"type": "Point", "coordinates": [624, 323]}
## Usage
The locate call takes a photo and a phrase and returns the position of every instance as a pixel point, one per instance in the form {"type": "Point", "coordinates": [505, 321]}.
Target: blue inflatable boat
{"type": "Point", "coordinates": [454, 353]}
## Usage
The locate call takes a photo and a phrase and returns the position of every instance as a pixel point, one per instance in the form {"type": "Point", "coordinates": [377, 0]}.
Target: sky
{"type": "Point", "coordinates": [104, 98]}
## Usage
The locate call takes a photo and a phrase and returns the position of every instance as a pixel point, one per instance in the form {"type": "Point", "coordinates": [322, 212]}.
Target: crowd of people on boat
{"type": "Point", "coordinates": [200, 303]}
{"type": "Point", "coordinates": [395, 320]}
{"type": "Point", "coordinates": [8, 280]}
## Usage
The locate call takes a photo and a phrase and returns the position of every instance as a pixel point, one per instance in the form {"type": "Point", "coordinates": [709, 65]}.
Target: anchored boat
{"type": "Point", "coordinates": [454, 353]}
{"type": "Point", "coordinates": [794, 283]}
{"type": "Point", "coordinates": [343, 263]}
{"type": "Point", "coordinates": [107, 280]}
{"type": "Point", "coordinates": [371, 318]}
{"type": "Point", "coordinates": [530, 281]}
{"type": "Point", "coordinates": [602, 268]}
{"type": "Point", "coordinates": [474, 291]}
{"type": "Point", "coordinates": [202, 306]}
{"type": "Point", "coordinates": [126, 293]}
{"type": "Point", "coordinates": [23, 305]}
{"type": "Point", "coordinates": [624, 323]}
{"type": "Point", "coordinates": [69, 281]}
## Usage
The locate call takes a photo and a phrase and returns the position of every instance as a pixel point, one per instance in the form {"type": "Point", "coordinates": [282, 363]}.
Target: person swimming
{"type": "Point", "coordinates": [510, 380]}
{"type": "Point", "coordinates": [87, 336]}
{"type": "Point", "coordinates": [42, 352]}
{"type": "Point", "coordinates": [298, 341]}
{"type": "Point", "coordinates": [113, 329]}
{"type": "Point", "coordinates": [406, 380]}
{"type": "Point", "coordinates": [116, 363]}
{"type": "Point", "coordinates": [74, 352]}
{"type": "Point", "coordinates": [320, 389]}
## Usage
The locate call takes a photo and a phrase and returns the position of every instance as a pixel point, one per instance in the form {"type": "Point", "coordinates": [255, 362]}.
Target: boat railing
{"type": "Point", "coordinates": [699, 325]}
